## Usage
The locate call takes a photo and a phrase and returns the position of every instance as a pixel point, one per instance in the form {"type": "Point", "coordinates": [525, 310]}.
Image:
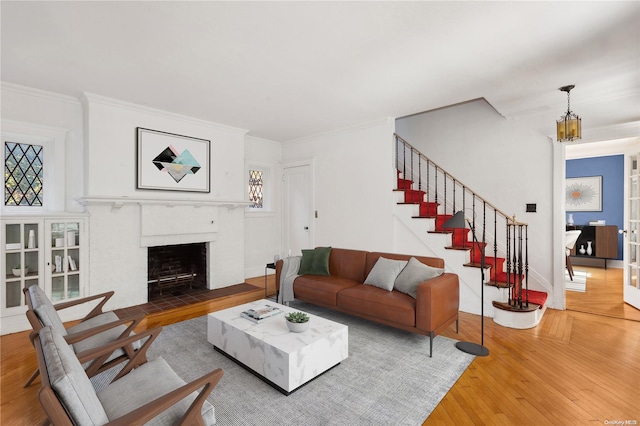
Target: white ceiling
{"type": "Point", "coordinates": [285, 70]}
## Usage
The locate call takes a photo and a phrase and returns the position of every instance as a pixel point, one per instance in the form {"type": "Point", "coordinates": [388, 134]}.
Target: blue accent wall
{"type": "Point", "coordinates": [611, 168]}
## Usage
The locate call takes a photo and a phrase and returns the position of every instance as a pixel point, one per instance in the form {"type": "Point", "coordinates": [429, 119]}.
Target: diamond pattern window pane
{"type": "Point", "coordinates": [23, 174]}
{"type": "Point", "coordinates": [255, 188]}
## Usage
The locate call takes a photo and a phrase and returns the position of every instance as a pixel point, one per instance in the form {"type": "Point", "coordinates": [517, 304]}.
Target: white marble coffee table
{"type": "Point", "coordinates": [285, 359]}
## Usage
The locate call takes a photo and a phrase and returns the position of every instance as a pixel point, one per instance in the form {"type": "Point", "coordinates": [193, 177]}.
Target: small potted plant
{"type": "Point", "coordinates": [17, 270]}
{"type": "Point", "coordinates": [297, 321]}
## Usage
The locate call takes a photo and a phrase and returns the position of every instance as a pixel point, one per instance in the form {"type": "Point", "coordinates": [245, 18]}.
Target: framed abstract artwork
{"type": "Point", "coordinates": [171, 162]}
{"type": "Point", "coordinates": [584, 194]}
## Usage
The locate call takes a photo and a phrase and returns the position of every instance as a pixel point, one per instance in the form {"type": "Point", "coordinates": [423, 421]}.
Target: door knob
{"type": "Point", "coordinates": [306, 228]}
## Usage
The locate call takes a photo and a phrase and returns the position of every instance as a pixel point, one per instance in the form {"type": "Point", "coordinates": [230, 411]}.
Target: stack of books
{"type": "Point", "coordinates": [261, 314]}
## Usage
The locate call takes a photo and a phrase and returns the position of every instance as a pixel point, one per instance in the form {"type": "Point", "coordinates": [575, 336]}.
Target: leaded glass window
{"type": "Point", "coordinates": [23, 174]}
{"type": "Point", "coordinates": [255, 188]}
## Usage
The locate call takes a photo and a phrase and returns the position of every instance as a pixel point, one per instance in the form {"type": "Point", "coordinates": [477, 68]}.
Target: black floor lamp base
{"type": "Point", "coordinates": [472, 348]}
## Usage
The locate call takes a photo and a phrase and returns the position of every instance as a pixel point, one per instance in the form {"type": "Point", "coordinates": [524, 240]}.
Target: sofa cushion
{"type": "Point", "coordinates": [384, 273]}
{"type": "Point", "coordinates": [320, 289]}
{"type": "Point", "coordinates": [347, 263]}
{"type": "Point", "coordinates": [413, 274]}
{"type": "Point", "coordinates": [315, 262]}
{"type": "Point", "coordinates": [376, 303]}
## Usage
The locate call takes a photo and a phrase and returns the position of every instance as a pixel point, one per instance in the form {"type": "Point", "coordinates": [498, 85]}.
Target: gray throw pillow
{"type": "Point", "coordinates": [384, 273]}
{"type": "Point", "coordinates": [415, 273]}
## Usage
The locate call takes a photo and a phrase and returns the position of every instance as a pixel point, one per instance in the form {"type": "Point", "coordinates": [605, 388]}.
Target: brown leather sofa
{"type": "Point", "coordinates": [433, 310]}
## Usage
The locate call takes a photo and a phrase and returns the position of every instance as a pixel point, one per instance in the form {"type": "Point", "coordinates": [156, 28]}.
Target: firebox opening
{"type": "Point", "coordinates": [176, 269]}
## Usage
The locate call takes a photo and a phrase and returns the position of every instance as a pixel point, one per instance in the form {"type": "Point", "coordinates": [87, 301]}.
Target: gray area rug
{"type": "Point", "coordinates": [388, 378]}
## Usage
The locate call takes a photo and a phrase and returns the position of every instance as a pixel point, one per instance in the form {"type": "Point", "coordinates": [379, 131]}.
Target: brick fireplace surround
{"type": "Point", "coordinates": [122, 229]}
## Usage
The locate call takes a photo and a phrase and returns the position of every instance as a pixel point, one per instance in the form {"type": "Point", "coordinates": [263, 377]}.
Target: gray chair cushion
{"type": "Point", "coordinates": [44, 309]}
{"type": "Point", "coordinates": [69, 380]}
{"type": "Point", "coordinates": [99, 339]}
{"type": "Point", "coordinates": [414, 274]}
{"type": "Point", "coordinates": [143, 385]}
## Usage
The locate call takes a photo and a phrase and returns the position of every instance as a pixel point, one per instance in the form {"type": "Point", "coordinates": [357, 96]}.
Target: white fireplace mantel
{"type": "Point", "coordinates": [118, 202]}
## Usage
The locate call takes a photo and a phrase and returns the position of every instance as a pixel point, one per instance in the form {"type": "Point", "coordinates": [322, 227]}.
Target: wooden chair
{"type": "Point", "coordinates": [152, 393]}
{"type": "Point", "coordinates": [571, 238]}
{"type": "Point", "coordinates": [94, 330]}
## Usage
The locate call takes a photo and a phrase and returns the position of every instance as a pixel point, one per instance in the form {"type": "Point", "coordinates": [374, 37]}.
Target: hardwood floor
{"type": "Point", "coordinates": [603, 295]}
{"type": "Point", "coordinates": [573, 368]}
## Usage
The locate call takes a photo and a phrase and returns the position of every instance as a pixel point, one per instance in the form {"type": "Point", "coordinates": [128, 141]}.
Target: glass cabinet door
{"type": "Point", "coordinates": [21, 261]}
{"type": "Point", "coordinates": [64, 259]}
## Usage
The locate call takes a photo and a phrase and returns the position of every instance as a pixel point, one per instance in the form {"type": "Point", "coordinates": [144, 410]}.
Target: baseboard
{"type": "Point", "coordinates": [596, 262]}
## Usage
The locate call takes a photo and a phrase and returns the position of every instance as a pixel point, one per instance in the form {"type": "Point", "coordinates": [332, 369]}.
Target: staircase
{"type": "Point", "coordinates": [493, 248]}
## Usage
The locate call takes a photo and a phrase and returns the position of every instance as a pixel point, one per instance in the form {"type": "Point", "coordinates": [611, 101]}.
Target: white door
{"type": "Point", "coordinates": [632, 234]}
{"type": "Point", "coordinates": [297, 209]}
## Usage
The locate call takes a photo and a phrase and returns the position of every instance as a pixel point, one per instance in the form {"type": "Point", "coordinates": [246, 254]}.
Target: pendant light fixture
{"type": "Point", "coordinates": [569, 126]}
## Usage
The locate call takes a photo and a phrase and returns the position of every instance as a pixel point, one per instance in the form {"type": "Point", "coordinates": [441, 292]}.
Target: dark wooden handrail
{"type": "Point", "coordinates": [445, 173]}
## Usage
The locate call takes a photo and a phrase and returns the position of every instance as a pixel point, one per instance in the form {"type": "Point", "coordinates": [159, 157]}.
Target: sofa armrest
{"type": "Point", "coordinates": [437, 303]}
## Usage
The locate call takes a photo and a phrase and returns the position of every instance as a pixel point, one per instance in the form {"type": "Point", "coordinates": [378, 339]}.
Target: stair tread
{"type": "Point", "coordinates": [539, 297]}
{"type": "Point", "coordinates": [461, 241]}
{"type": "Point", "coordinates": [455, 247]}
{"type": "Point", "coordinates": [498, 284]}
{"type": "Point", "coordinates": [505, 306]}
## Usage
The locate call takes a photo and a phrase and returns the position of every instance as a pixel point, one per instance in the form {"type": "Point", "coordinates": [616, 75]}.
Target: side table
{"type": "Point", "coordinates": [271, 265]}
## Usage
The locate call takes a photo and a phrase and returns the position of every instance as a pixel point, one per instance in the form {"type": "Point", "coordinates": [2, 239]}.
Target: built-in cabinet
{"type": "Point", "coordinates": [63, 258]}
{"type": "Point", "coordinates": [48, 251]}
{"type": "Point", "coordinates": [21, 262]}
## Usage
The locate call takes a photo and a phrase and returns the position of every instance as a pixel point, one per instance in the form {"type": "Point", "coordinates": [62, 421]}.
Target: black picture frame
{"type": "Point", "coordinates": [172, 162]}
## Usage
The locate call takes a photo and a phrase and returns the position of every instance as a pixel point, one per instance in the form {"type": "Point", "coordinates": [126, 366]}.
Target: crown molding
{"type": "Point", "coordinates": [30, 91]}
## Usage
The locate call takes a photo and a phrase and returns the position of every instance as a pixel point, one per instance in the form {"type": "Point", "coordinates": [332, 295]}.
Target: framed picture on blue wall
{"type": "Point", "coordinates": [584, 194]}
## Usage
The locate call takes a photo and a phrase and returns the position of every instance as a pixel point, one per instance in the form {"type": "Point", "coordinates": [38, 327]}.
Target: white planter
{"type": "Point", "coordinates": [18, 272]}
{"type": "Point", "coordinates": [297, 327]}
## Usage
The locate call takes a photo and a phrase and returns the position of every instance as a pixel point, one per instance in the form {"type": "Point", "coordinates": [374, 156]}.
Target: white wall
{"type": "Point", "coordinates": [93, 156]}
{"type": "Point", "coordinates": [500, 160]}
{"type": "Point", "coordinates": [57, 119]}
{"type": "Point", "coordinates": [111, 150]}
{"type": "Point", "coordinates": [118, 261]}
{"type": "Point", "coordinates": [354, 179]}
{"type": "Point", "coordinates": [263, 229]}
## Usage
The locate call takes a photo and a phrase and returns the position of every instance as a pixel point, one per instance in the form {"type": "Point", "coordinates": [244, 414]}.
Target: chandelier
{"type": "Point", "coordinates": [569, 126]}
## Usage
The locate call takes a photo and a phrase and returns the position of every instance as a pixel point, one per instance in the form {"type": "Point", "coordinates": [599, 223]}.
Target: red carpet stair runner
{"type": "Point", "coordinates": [461, 240]}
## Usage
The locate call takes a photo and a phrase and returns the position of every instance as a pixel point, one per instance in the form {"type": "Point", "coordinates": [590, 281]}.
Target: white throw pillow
{"type": "Point", "coordinates": [384, 273]}
{"type": "Point", "coordinates": [415, 273]}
